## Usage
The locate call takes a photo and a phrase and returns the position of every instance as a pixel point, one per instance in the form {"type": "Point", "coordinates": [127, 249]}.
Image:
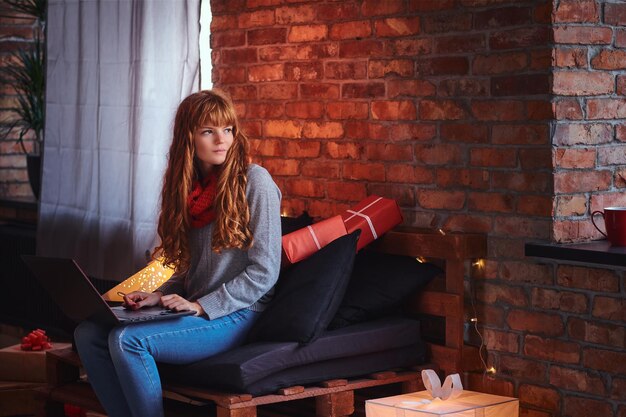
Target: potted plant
{"type": "Point", "coordinates": [26, 73]}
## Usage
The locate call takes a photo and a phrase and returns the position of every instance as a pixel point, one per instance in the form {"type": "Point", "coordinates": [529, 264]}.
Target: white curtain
{"type": "Point", "coordinates": [117, 70]}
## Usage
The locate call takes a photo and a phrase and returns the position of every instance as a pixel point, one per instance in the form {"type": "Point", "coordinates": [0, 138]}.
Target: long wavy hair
{"type": "Point", "coordinates": [231, 225]}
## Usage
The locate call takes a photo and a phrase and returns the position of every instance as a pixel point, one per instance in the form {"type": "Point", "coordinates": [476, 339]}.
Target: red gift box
{"type": "Point", "coordinates": [374, 216]}
{"type": "Point", "coordinates": [305, 242]}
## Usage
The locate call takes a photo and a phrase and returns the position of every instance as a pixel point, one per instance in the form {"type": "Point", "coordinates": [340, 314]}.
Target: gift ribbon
{"type": "Point", "coordinates": [452, 386]}
{"type": "Point", "coordinates": [365, 216]}
{"type": "Point", "coordinates": [317, 242]}
{"type": "Point", "coordinates": [36, 340]}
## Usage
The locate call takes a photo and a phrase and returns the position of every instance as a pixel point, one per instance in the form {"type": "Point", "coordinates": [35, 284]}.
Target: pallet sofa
{"type": "Point", "coordinates": [398, 362]}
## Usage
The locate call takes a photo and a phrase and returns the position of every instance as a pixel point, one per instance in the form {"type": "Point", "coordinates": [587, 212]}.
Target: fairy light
{"type": "Point", "coordinates": [483, 354]}
{"type": "Point", "coordinates": [421, 259]}
{"type": "Point", "coordinates": [479, 263]}
{"type": "Point", "coordinates": [441, 232]}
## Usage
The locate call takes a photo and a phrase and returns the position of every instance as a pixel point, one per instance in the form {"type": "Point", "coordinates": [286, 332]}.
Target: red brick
{"type": "Point", "coordinates": [337, 11]}
{"type": "Point", "coordinates": [574, 83]}
{"type": "Point", "coordinates": [409, 47]}
{"type": "Point", "coordinates": [539, 110]}
{"type": "Point", "coordinates": [581, 181]}
{"type": "Point", "coordinates": [551, 349]}
{"type": "Point", "coordinates": [319, 90]}
{"type": "Point", "coordinates": [605, 360]}
{"type": "Point", "coordinates": [388, 152]}
{"type": "Point", "coordinates": [541, 59]}
{"type": "Point", "coordinates": [609, 60]}
{"type": "Point", "coordinates": [286, 167]}
{"type": "Point", "coordinates": [464, 87]}
{"type": "Point", "coordinates": [574, 158]}
{"type": "Point", "coordinates": [304, 188]}
{"type": "Point", "coordinates": [239, 56]}
{"type": "Point", "coordinates": [490, 202]}
{"type": "Point", "coordinates": [618, 389]}
{"type": "Point", "coordinates": [476, 381]}
{"type": "Point", "coordinates": [615, 14]}
{"type": "Point", "coordinates": [613, 155]}
{"type": "Point", "coordinates": [525, 134]}
{"type": "Point", "coordinates": [413, 131]}
{"type": "Point", "coordinates": [568, 109]}
{"type": "Point", "coordinates": [288, 15]}
{"type": "Point", "coordinates": [322, 130]}
{"type": "Point", "coordinates": [547, 299]}
{"type": "Point", "coordinates": [535, 205]}
{"type": "Point", "coordinates": [324, 169]}
{"type": "Point", "coordinates": [520, 85]}
{"type": "Point", "coordinates": [317, 51]}
{"type": "Point", "coordinates": [568, 134]}
{"type": "Point", "coordinates": [468, 223]}
{"type": "Point", "coordinates": [409, 88]}
{"type": "Point", "coordinates": [346, 191]}
{"type": "Point", "coordinates": [519, 38]}
{"type": "Point", "coordinates": [393, 110]}
{"type": "Point", "coordinates": [346, 70]}
{"type": "Point", "coordinates": [502, 17]}
{"type": "Point", "coordinates": [459, 44]}
{"type": "Point", "coordinates": [264, 111]}
{"type": "Point", "coordinates": [593, 279]}
{"type": "Point", "coordinates": [612, 335]}
{"type": "Point", "coordinates": [304, 109]}
{"type": "Point", "coordinates": [577, 11]}
{"type": "Point", "coordinates": [571, 205]}
{"type": "Point", "coordinates": [409, 174]}
{"type": "Point", "coordinates": [606, 109]}
{"type": "Point", "coordinates": [499, 63]}
{"type": "Point", "coordinates": [403, 194]}
{"type": "Point", "coordinates": [441, 110]}
{"type": "Point", "coordinates": [252, 128]}
{"type": "Point", "coordinates": [230, 75]}
{"type": "Point", "coordinates": [363, 90]}
{"type": "Point", "coordinates": [538, 396]}
{"type": "Point", "coordinates": [343, 150]}
{"type": "Point", "coordinates": [447, 22]}
{"type": "Point", "coordinates": [267, 36]}
{"type": "Point", "coordinates": [361, 171]}
{"type": "Point", "coordinates": [524, 272]}
{"type": "Point", "coordinates": [538, 182]}
{"type": "Point", "coordinates": [613, 199]}
{"type": "Point", "coordinates": [435, 199]}
{"type": "Point", "coordinates": [444, 66]}
{"type": "Point", "coordinates": [438, 154]}
{"type": "Point", "coordinates": [261, 73]}
{"type": "Point", "coordinates": [256, 19]}
{"type": "Point", "coordinates": [609, 308]}
{"type": "Point", "coordinates": [501, 294]}
{"type": "Point", "coordinates": [580, 407]}
{"type": "Point", "coordinates": [395, 67]}
{"type": "Point", "coordinates": [500, 110]}
{"type": "Point", "coordinates": [583, 35]}
{"type": "Point", "coordinates": [348, 110]}
{"type": "Point", "coordinates": [520, 368]}
{"type": "Point", "coordinates": [292, 207]}
{"type": "Point", "coordinates": [283, 129]}
{"type": "Point", "coordinates": [570, 57]}
{"type": "Point", "coordinates": [265, 147]}
{"type": "Point", "coordinates": [377, 8]}
{"type": "Point", "coordinates": [620, 38]}
{"type": "Point", "coordinates": [522, 227]}
{"type": "Point", "coordinates": [301, 149]}
{"type": "Point", "coordinates": [277, 53]}
{"type": "Point", "coordinates": [299, 71]}
{"type": "Point", "coordinates": [574, 231]}
{"type": "Point", "coordinates": [535, 158]}
{"type": "Point", "coordinates": [430, 5]}
{"type": "Point", "coordinates": [501, 341]}
{"type": "Point", "coordinates": [361, 49]}
{"type": "Point", "coordinates": [535, 322]}
{"type": "Point", "coordinates": [219, 23]}
{"type": "Point", "coordinates": [398, 26]}
{"type": "Point", "coordinates": [367, 130]}
{"type": "Point", "coordinates": [228, 38]}
{"type": "Point", "coordinates": [621, 85]}
{"type": "Point", "coordinates": [307, 33]}
{"type": "Point", "coordinates": [351, 30]}
{"type": "Point", "coordinates": [467, 133]}
{"type": "Point", "coordinates": [278, 91]}
{"type": "Point", "coordinates": [493, 157]}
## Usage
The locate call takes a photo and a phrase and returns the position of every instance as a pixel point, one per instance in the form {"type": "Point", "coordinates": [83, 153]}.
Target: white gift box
{"type": "Point", "coordinates": [422, 404]}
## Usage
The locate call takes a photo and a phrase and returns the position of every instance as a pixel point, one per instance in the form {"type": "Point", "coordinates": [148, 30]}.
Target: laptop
{"type": "Point", "coordinates": [73, 292]}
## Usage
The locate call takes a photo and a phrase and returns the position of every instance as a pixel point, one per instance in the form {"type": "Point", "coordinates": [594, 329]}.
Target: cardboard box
{"type": "Point", "coordinates": [25, 366]}
{"type": "Point", "coordinates": [374, 216]}
{"type": "Point", "coordinates": [305, 242]}
{"type": "Point", "coordinates": [421, 404]}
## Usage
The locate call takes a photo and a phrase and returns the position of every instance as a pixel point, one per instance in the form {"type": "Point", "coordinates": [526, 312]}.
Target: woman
{"type": "Point", "coordinates": [220, 230]}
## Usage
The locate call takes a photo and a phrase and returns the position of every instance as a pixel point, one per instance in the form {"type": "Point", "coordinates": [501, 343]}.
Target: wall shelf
{"type": "Point", "coordinates": [597, 252]}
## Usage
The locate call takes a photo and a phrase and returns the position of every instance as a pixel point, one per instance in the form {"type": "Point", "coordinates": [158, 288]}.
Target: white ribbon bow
{"type": "Point", "coordinates": [452, 386]}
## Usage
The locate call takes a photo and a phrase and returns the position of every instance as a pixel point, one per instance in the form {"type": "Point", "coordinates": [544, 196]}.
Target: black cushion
{"type": "Point", "coordinates": [379, 284]}
{"type": "Point", "coordinates": [291, 224]}
{"type": "Point", "coordinates": [308, 294]}
{"type": "Point", "coordinates": [266, 366]}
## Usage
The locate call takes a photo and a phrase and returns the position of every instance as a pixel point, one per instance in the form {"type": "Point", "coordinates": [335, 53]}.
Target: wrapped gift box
{"type": "Point", "coordinates": [18, 398]}
{"type": "Point", "coordinates": [374, 216]}
{"type": "Point", "coordinates": [25, 366]}
{"type": "Point", "coordinates": [421, 404]}
{"type": "Point", "coordinates": [305, 242]}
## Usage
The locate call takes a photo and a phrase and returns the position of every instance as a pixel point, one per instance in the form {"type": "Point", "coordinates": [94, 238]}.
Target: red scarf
{"type": "Point", "coordinates": [200, 201]}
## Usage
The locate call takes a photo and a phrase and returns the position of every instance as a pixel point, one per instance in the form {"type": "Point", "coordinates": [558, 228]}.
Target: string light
{"type": "Point", "coordinates": [483, 354]}
{"type": "Point", "coordinates": [421, 259]}
{"type": "Point", "coordinates": [441, 232]}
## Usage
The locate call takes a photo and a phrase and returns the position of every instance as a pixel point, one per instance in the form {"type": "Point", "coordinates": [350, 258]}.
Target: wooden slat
{"type": "Point", "coordinates": [291, 390]}
{"type": "Point", "coordinates": [447, 358]}
{"type": "Point", "coordinates": [437, 304]}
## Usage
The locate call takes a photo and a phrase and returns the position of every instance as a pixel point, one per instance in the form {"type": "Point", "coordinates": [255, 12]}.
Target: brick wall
{"type": "Point", "coordinates": [14, 34]}
{"type": "Point", "coordinates": [452, 108]}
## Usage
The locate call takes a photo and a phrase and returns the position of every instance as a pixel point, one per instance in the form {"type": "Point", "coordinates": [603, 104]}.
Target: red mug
{"type": "Point", "coordinates": [614, 223]}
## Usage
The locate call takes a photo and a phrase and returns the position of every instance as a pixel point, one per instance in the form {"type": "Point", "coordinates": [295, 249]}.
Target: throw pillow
{"type": "Point", "coordinates": [379, 284]}
{"type": "Point", "coordinates": [308, 295]}
{"type": "Point", "coordinates": [291, 224]}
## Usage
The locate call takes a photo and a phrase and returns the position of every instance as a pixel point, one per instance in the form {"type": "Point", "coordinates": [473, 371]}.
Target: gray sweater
{"type": "Point", "coordinates": [234, 279]}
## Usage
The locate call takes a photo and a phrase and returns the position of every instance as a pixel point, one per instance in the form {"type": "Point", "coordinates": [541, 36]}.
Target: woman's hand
{"type": "Point", "coordinates": [137, 299]}
{"type": "Point", "coordinates": [177, 303]}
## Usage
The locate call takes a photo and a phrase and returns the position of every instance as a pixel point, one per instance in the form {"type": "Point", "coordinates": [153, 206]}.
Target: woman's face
{"type": "Point", "coordinates": [212, 143]}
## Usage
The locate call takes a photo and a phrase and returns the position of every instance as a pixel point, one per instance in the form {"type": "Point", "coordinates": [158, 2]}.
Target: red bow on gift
{"type": "Point", "coordinates": [36, 340]}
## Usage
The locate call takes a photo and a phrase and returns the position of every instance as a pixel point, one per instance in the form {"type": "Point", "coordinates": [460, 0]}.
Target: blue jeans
{"type": "Point", "coordinates": [121, 361]}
